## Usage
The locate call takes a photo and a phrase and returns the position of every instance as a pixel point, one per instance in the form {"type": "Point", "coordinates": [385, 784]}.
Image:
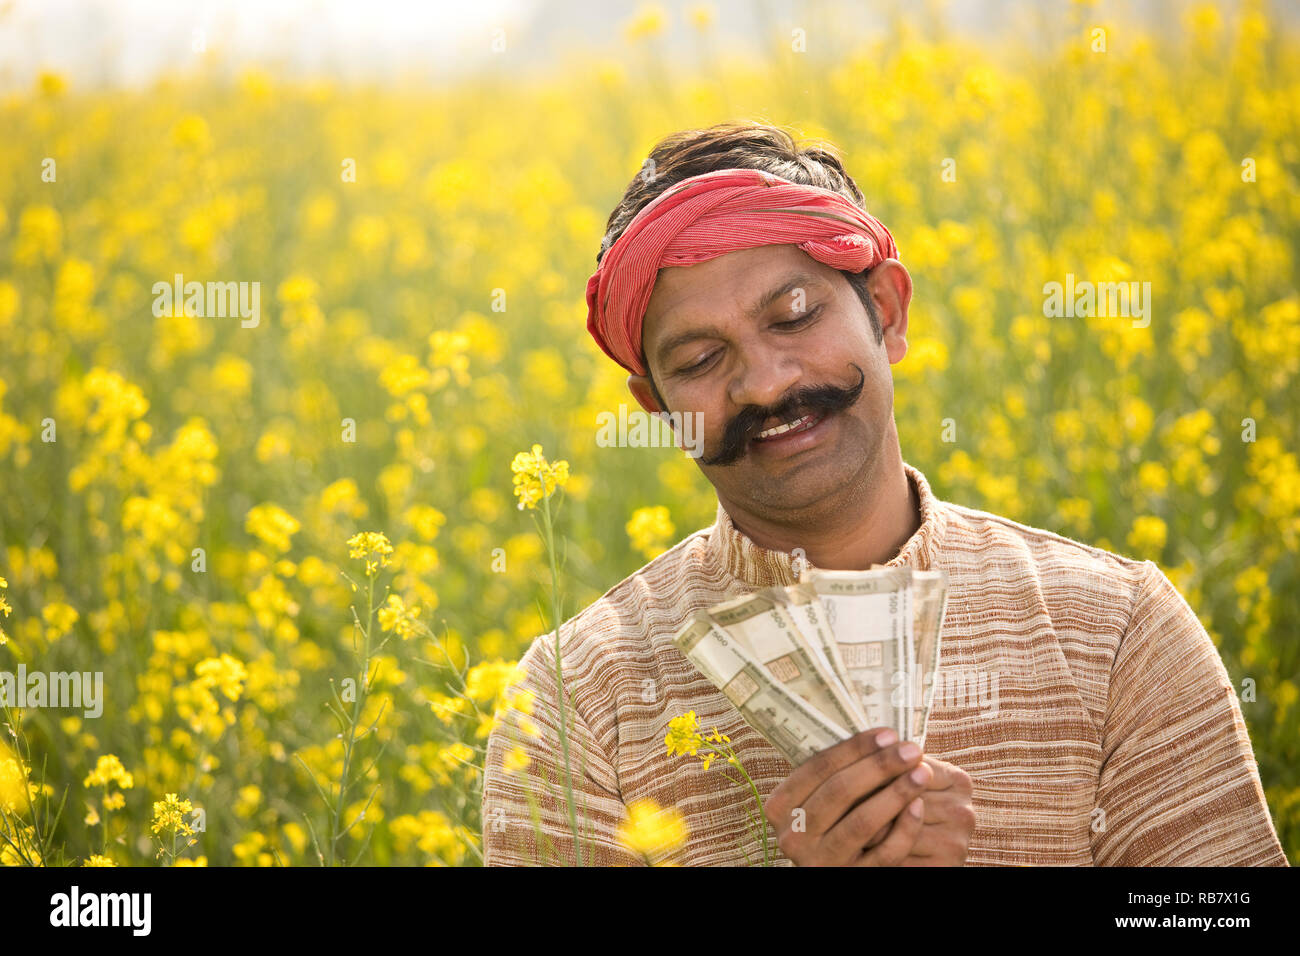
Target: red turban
{"type": "Point", "coordinates": [710, 215]}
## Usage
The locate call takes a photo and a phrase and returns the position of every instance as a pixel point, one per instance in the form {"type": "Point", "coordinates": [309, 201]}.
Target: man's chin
{"type": "Point", "coordinates": [798, 488]}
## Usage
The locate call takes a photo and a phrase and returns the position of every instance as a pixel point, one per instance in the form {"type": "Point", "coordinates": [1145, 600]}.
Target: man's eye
{"type": "Point", "coordinates": [697, 366]}
{"type": "Point", "coordinates": [801, 320]}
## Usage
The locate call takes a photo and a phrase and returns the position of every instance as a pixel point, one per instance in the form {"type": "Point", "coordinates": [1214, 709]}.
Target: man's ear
{"type": "Point", "coordinates": [639, 386]}
{"type": "Point", "coordinates": [890, 286]}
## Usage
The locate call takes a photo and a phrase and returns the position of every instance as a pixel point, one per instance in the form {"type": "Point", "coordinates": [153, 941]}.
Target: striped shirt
{"type": "Point", "coordinates": [1076, 687]}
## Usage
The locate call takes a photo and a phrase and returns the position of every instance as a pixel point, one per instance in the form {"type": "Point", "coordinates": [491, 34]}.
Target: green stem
{"type": "Point", "coordinates": [354, 717]}
{"type": "Point", "coordinates": [758, 800]}
{"type": "Point", "coordinates": [559, 677]}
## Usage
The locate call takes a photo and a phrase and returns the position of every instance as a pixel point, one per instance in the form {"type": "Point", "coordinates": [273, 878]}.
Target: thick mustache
{"type": "Point", "coordinates": [799, 401]}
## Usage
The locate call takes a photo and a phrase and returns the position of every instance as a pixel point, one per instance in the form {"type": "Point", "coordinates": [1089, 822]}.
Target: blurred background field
{"type": "Point", "coordinates": [437, 303]}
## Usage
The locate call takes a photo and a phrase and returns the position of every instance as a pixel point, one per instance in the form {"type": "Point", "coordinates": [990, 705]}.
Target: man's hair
{"type": "Point", "coordinates": [738, 145]}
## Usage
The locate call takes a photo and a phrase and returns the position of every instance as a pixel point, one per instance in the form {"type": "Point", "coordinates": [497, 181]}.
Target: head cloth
{"type": "Point", "coordinates": [707, 216]}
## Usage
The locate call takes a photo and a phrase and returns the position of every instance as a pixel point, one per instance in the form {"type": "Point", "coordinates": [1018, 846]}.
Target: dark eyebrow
{"type": "Point", "coordinates": [754, 311]}
{"type": "Point", "coordinates": [766, 300]}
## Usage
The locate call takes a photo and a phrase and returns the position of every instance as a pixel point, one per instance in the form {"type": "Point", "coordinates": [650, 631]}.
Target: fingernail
{"type": "Point", "coordinates": [885, 738]}
{"type": "Point", "coordinates": [915, 807]}
{"type": "Point", "coordinates": [919, 775]}
{"type": "Point", "coordinates": [908, 750]}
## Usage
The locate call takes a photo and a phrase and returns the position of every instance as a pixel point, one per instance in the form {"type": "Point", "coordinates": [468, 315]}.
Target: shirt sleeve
{"type": "Point", "coordinates": [1178, 785]}
{"type": "Point", "coordinates": [525, 812]}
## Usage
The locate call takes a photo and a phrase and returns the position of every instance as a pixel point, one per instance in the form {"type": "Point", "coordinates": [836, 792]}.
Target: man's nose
{"type": "Point", "coordinates": [764, 377]}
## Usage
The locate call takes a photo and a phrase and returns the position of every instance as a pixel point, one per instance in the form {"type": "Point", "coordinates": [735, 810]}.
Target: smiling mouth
{"type": "Point", "coordinates": [801, 424]}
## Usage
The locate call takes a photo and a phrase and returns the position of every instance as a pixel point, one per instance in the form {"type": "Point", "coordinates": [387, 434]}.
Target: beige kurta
{"type": "Point", "coordinates": [1105, 730]}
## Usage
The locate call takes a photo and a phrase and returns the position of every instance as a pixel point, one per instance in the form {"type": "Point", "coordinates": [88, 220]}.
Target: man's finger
{"type": "Point", "coordinates": [947, 776]}
{"type": "Point", "coordinates": [809, 775]}
{"type": "Point", "coordinates": [844, 841]}
{"type": "Point", "coordinates": [895, 847]}
{"type": "Point", "coordinates": [842, 792]}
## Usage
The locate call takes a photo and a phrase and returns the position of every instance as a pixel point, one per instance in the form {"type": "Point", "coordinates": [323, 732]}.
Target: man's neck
{"type": "Point", "coordinates": [871, 529]}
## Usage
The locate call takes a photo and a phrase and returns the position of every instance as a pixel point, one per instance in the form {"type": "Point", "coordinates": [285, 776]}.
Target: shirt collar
{"type": "Point", "coordinates": [760, 567]}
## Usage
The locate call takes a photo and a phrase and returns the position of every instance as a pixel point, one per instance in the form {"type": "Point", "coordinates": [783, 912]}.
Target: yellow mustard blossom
{"type": "Point", "coordinates": [169, 815]}
{"type": "Point", "coordinates": [650, 530]}
{"type": "Point", "coordinates": [426, 520]}
{"type": "Point", "coordinates": [59, 619]}
{"type": "Point", "coordinates": [5, 609]}
{"type": "Point", "coordinates": [535, 478]}
{"type": "Point", "coordinates": [224, 672]}
{"type": "Point", "coordinates": [396, 616]}
{"type": "Point", "coordinates": [648, 21]}
{"type": "Point", "coordinates": [109, 769]}
{"type": "Point", "coordinates": [16, 791]}
{"type": "Point", "coordinates": [372, 547]}
{"type": "Point", "coordinates": [683, 737]}
{"type": "Point", "coordinates": [489, 680]}
{"type": "Point", "coordinates": [516, 760]}
{"type": "Point", "coordinates": [1148, 535]}
{"type": "Point", "coordinates": [650, 831]}
{"type": "Point", "coordinates": [273, 525]}
{"type": "Point", "coordinates": [96, 859]}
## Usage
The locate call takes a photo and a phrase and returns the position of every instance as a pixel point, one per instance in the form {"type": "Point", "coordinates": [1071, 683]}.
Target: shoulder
{"type": "Point", "coordinates": [1011, 552]}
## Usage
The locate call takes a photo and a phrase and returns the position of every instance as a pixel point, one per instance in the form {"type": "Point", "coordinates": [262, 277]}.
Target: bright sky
{"type": "Point", "coordinates": [130, 41]}
{"type": "Point", "coordinates": [126, 41]}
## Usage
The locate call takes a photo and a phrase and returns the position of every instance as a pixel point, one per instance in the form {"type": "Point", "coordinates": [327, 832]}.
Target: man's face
{"type": "Point", "coordinates": [737, 335]}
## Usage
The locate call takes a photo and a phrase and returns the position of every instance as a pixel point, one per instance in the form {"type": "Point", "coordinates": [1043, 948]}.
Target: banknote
{"type": "Point", "coordinates": [929, 604]}
{"type": "Point", "coordinates": [803, 604]}
{"type": "Point", "coordinates": [869, 613]}
{"type": "Point", "coordinates": [789, 723]}
{"type": "Point", "coordinates": [839, 652]}
{"type": "Point", "coordinates": [764, 625]}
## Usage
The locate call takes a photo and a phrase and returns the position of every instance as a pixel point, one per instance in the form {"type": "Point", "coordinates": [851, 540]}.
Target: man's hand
{"type": "Point", "coordinates": [834, 803]}
{"type": "Point", "coordinates": [948, 822]}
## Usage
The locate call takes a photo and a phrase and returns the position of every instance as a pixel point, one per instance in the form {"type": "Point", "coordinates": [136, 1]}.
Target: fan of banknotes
{"type": "Point", "coordinates": [813, 663]}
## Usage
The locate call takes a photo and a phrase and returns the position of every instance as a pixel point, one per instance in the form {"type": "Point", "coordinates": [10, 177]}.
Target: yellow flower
{"type": "Point", "coordinates": [490, 679]}
{"type": "Point", "coordinates": [683, 737]}
{"type": "Point", "coordinates": [650, 530]}
{"type": "Point", "coordinates": [273, 525]}
{"type": "Point", "coordinates": [650, 830]}
{"type": "Point", "coordinates": [4, 609]}
{"type": "Point", "coordinates": [1147, 535]}
{"type": "Point", "coordinates": [372, 547]}
{"type": "Point", "coordinates": [16, 790]}
{"type": "Point", "coordinates": [225, 672]}
{"type": "Point", "coordinates": [528, 728]}
{"type": "Point", "coordinates": [109, 769]}
{"type": "Point", "coordinates": [397, 616]}
{"type": "Point", "coordinates": [535, 478]}
{"type": "Point", "coordinates": [169, 814]}
{"type": "Point", "coordinates": [59, 619]}
{"type": "Point", "coordinates": [648, 21]}
{"type": "Point", "coordinates": [701, 17]}
{"type": "Point", "coordinates": [515, 760]}
{"type": "Point", "coordinates": [96, 859]}
{"type": "Point", "coordinates": [426, 520]}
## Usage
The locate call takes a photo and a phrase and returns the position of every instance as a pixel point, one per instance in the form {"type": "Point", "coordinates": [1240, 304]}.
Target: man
{"type": "Point", "coordinates": [744, 280]}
